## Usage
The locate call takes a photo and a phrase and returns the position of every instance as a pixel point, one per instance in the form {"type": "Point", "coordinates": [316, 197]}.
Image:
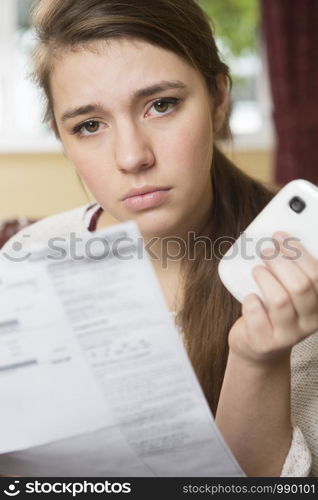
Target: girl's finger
{"type": "Point", "coordinates": [292, 247]}
{"type": "Point", "coordinates": [281, 310]}
{"type": "Point", "coordinates": [298, 285]}
{"type": "Point", "coordinates": [259, 329]}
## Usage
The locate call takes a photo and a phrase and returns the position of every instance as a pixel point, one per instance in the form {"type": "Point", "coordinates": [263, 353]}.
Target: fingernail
{"type": "Point", "coordinates": [280, 236]}
{"type": "Point", "coordinates": [268, 252]}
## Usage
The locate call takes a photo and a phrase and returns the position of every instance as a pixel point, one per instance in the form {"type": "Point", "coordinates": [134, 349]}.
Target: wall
{"type": "Point", "coordinates": [36, 185]}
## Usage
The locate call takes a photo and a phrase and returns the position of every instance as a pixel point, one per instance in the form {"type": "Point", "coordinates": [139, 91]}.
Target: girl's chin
{"type": "Point", "coordinates": [153, 223]}
{"type": "Point", "coordinates": [159, 229]}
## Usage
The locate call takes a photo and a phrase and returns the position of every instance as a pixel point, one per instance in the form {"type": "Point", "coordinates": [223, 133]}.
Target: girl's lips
{"type": "Point", "coordinates": [148, 200]}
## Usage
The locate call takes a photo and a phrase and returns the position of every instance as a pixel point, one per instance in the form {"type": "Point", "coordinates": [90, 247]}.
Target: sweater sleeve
{"type": "Point", "coordinates": [298, 461]}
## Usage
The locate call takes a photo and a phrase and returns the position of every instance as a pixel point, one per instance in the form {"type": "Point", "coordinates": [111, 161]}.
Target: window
{"type": "Point", "coordinates": [21, 127]}
{"type": "Point", "coordinates": [236, 21]}
{"type": "Point", "coordinates": [236, 28]}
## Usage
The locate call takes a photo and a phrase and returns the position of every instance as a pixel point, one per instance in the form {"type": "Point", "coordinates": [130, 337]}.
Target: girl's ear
{"type": "Point", "coordinates": [54, 128]}
{"type": "Point", "coordinates": [221, 102]}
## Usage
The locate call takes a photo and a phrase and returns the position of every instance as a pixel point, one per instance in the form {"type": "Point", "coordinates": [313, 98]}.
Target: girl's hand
{"type": "Point", "coordinates": [289, 283]}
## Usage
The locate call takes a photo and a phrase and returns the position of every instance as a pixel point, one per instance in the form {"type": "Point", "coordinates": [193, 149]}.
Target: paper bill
{"type": "Point", "coordinates": [94, 376]}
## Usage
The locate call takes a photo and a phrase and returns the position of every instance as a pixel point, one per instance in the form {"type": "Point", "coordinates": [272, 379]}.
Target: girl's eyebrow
{"type": "Point", "coordinates": [145, 92]}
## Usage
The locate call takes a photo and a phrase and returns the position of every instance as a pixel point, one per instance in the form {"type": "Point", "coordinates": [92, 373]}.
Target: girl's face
{"type": "Point", "coordinates": [129, 115]}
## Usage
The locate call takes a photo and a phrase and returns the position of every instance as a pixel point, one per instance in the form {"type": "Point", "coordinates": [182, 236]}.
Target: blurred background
{"type": "Point", "coordinates": [271, 47]}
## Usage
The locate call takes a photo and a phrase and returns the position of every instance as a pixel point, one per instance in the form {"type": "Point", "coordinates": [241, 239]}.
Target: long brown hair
{"type": "Point", "coordinates": [181, 26]}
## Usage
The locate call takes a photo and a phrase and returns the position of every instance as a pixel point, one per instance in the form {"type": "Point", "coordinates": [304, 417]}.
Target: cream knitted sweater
{"type": "Point", "coordinates": [302, 458]}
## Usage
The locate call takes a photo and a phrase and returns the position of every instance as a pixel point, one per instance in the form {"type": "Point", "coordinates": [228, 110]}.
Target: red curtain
{"type": "Point", "coordinates": [290, 30]}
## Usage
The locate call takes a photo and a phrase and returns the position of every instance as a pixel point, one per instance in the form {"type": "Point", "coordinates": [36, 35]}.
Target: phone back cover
{"type": "Point", "coordinates": [235, 268]}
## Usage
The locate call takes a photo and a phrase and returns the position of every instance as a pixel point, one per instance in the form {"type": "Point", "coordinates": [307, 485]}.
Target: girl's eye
{"type": "Point", "coordinates": [91, 127]}
{"type": "Point", "coordinates": [162, 106]}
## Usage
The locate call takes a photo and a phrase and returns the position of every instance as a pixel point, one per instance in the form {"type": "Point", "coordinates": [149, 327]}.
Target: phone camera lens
{"type": "Point", "coordinates": [297, 204]}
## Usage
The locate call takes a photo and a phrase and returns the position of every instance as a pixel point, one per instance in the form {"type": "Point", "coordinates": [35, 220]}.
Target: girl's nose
{"type": "Point", "coordinates": [133, 151]}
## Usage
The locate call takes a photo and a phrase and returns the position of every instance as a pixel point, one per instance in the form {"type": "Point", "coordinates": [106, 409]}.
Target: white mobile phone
{"type": "Point", "coordinates": [294, 209]}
